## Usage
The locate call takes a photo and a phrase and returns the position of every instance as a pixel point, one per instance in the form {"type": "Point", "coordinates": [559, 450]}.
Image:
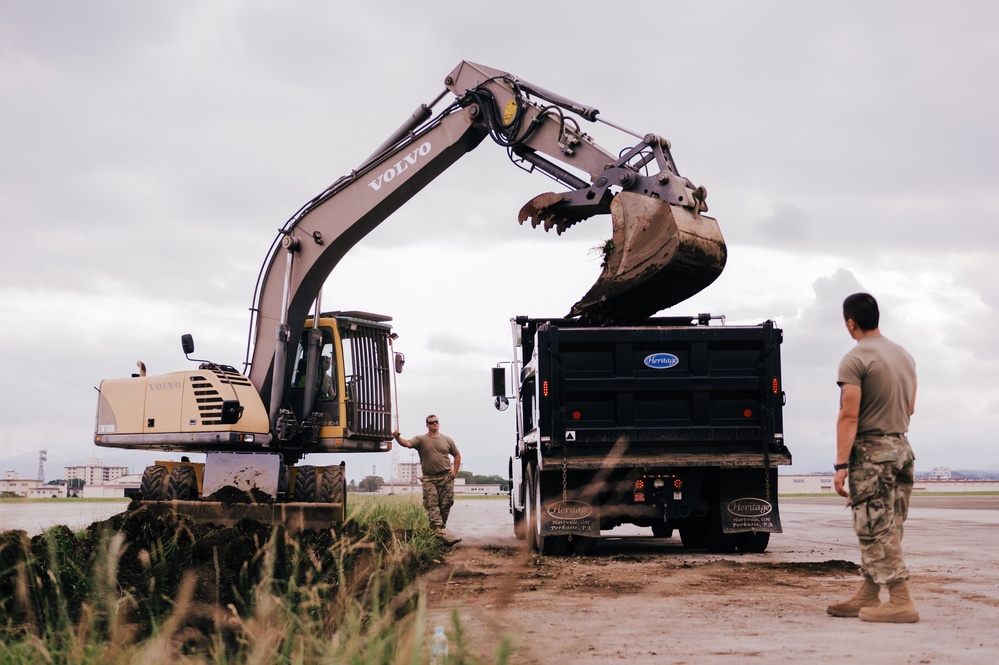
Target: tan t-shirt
{"type": "Point", "coordinates": [434, 451]}
{"type": "Point", "coordinates": [886, 374]}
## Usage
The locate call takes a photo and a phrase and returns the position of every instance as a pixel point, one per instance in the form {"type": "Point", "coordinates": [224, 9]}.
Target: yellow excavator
{"type": "Point", "coordinates": [320, 381]}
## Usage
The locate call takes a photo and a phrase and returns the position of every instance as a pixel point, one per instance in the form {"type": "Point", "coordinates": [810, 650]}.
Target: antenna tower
{"type": "Point", "coordinates": [43, 455]}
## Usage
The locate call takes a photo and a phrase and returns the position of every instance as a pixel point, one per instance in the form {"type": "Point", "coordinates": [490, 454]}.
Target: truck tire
{"type": "Point", "coordinates": [153, 486]}
{"type": "Point", "coordinates": [332, 488]}
{"type": "Point", "coordinates": [182, 484]}
{"type": "Point", "coordinates": [719, 542]}
{"type": "Point", "coordinates": [753, 542]}
{"type": "Point", "coordinates": [519, 522]}
{"type": "Point", "coordinates": [531, 524]}
{"type": "Point", "coordinates": [555, 545]}
{"type": "Point", "coordinates": [661, 530]}
{"type": "Point", "coordinates": [305, 484]}
{"type": "Point", "coordinates": [694, 537]}
{"type": "Point", "coordinates": [582, 545]}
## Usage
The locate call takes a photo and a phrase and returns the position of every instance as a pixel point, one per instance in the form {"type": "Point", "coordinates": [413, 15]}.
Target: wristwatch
{"type": "Point", "coordinates": [840, 467]}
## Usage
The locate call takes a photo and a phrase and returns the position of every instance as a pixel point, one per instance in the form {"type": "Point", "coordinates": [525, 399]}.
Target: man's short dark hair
{"type": "Point", "coordinates": [863, 309]}
{"type": "Point", "coordinates": [430, 416]}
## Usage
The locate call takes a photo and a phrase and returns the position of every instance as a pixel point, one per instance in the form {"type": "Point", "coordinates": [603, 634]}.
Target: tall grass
{"type": "Point", "coordinates": [136, 593]}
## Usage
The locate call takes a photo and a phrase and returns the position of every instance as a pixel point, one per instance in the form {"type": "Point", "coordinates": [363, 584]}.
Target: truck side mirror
{"type": "Point", "coordinates": [400, 360]}
{"type": "Point", "coordinates": [499, 382]}
{"type": "Point", "coordinates": [499, 389]}
{"type": "Point", "coordinates": [187, 343]}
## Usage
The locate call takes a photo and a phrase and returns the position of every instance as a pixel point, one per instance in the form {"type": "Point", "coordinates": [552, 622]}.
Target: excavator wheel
{"type": "Point", "coordinates": [305, 484]}
{"type": "Point", "coordinates": [153, 486]}
{"type": "Point", "coordinates": [182, 484]}
{"type": "Point", "coordinates": [332, 487]}
{"type": "Point", "coordinates": [659, 255]}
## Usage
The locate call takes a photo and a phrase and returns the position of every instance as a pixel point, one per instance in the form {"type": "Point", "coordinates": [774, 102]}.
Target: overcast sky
{"type": "Point", "coordinates": [150, 151]}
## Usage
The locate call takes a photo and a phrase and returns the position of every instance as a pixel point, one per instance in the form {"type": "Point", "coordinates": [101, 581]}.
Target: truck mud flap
{"type": "Point", "coordinates": [569, 518]}
{"type": "Point", "coordinates": [743, 502]}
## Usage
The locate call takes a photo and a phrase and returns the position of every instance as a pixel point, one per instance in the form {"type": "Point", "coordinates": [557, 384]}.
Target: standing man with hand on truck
{"type": "Point", "coordinates": [878, 383]}
{"type": "Point", "coordinates": [435, 450]}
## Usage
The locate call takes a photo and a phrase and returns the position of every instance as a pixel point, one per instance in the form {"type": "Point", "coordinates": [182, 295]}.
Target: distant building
{"type": "Point", "coordinates": [461, 488]}
{"type": "Point", "coordinates": [95, 473]}
{"type": "Point", "coordinates": [823, 484]}
{"type": "Point", "coordinates": [408, 473]}
{"type": "Point", "coordinates": [121, 486]}
{"type": "Point", "coordinates": [940, 473]}
{"type": "Point", "coordinates": [30, 488]}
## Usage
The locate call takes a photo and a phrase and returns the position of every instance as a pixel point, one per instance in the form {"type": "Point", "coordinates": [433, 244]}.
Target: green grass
{"type": "Point", "coordinates": [141, 593]}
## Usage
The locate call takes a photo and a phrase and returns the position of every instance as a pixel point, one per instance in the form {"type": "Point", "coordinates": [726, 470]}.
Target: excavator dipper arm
{"type": "Point", "coordinates": [654, 226]}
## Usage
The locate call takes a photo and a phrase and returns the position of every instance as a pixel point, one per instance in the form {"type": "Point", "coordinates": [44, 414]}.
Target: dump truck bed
{"type": "Point", "coordinates": [664, 392]}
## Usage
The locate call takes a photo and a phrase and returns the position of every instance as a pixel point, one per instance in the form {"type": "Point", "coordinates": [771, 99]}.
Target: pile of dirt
{"type": "Point", "coordinates": [229, 495]}
{"type": "Point", "coordinates": [151, 557]}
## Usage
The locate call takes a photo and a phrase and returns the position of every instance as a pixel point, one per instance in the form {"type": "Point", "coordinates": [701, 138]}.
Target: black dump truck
{"type": "Point", "coordinates": [673, 424]}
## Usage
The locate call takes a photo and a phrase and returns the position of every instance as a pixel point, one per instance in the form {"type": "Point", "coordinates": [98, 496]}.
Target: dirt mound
{"type": "Point", "coordinates": [152, 560]}
{"type": "Point", "coordinates": [229, 495]}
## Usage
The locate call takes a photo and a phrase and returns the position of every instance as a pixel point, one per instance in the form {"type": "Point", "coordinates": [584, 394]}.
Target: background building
{"type": "Point", "coordinates": [823, 484]}
{"type": "Point", "coordinates": [31, 488]}
{"type": "Point", "coordinates": [95, 473]}
{"type": "Point", "coordinates": [408, 473]}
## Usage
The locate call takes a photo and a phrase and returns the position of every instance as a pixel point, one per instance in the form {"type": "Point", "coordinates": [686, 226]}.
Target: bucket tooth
{"type": "Point", "coordinates": [549, 209]}
{"type": "Point", "coordinates": [660, 255]}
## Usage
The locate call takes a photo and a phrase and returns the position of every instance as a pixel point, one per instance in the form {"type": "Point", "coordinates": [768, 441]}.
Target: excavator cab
{"type": "Point", "coordinates": [352, 396]}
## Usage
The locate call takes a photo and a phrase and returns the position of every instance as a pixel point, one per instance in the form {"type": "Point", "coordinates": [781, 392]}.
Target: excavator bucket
{"type": "Point", "coordinates": [659, 255]}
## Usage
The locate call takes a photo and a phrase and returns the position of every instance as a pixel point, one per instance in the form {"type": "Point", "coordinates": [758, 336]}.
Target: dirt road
{"type": "Point", "coordinates": [642, 598]}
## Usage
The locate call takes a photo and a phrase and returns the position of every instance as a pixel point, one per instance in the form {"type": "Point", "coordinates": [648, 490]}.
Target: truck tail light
{"type": "Point", "coordinates": [544, 388]}
{"type": "Point", "coordinates": [775, 385]}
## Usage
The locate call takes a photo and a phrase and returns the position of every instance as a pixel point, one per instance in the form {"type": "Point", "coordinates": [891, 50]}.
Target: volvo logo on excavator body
{"type": "Point", "coordinates": [409, 159]}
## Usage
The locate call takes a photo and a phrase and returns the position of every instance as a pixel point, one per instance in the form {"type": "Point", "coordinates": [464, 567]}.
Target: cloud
{"type": "Point", "coordinates": [152, 152]}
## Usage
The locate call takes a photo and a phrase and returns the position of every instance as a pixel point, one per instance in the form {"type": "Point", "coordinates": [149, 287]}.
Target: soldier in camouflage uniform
{"type": "Point", "coordinates": [435, 451]}
{"type": "Point", "coordinates": [878, 383]}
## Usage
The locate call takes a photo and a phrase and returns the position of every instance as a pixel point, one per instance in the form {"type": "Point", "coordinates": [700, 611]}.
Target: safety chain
{"type": "Point", "coordinates": [766, 472]}
{"type": "Point", "coordinates": [565, 492]}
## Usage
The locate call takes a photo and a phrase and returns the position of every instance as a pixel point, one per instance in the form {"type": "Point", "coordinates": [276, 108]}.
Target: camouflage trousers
{"type": "Point", "coordinates": [438, 497]}
{"type": "Point", "coordinates": [881, 477]}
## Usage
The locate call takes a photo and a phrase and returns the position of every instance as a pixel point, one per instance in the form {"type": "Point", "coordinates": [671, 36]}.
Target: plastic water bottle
{"type": "Point", "coordinates": [438, 647]}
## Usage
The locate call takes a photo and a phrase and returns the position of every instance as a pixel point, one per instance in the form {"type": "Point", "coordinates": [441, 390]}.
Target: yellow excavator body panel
{"type": "Point", "coordinates": [184, 409]}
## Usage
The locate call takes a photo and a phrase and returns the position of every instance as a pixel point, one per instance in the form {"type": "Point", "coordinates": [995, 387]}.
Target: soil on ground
{"type": "Point", "coordinates": [639, 597]}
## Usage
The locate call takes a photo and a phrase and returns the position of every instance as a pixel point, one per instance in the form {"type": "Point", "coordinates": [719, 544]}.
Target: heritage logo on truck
{"type": "Point", "coordinates": [661, 360]}
{"type": "Point", "coordinates": [749, 507]}
{"type": "Point", "coordinates": [570, 510]}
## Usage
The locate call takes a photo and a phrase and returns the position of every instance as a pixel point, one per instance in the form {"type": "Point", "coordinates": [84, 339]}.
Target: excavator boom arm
{"type": "Point", "coordinates": [542, 136]}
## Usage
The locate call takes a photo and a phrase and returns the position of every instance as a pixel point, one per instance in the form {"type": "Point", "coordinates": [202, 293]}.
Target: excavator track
{"type": "Point", "coordinates": [659, 255]}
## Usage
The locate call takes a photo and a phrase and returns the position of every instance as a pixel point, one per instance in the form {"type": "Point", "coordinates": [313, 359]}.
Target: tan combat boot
{"type": "Point", "coordinates": [898, 609]}
{"type": "Point", "coordinates": [866, 596]}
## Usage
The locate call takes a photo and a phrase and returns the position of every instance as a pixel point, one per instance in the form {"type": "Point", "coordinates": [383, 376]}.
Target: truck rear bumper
{"type": "Point", "coordinates": [659, 461]}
